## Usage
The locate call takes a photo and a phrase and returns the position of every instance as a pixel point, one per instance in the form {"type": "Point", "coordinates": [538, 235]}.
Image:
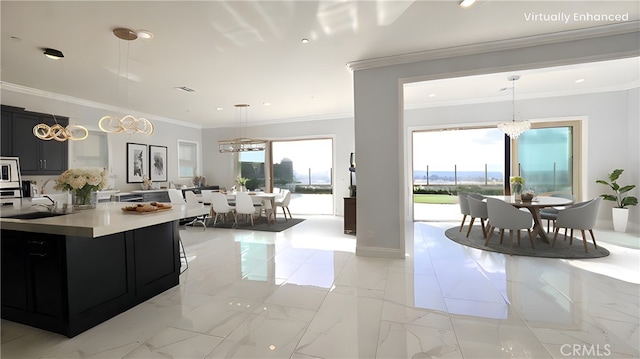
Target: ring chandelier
{"type": "Point", "coordinates": [59, 133]}
{"type": "Point", "coordinates": [128, 124]}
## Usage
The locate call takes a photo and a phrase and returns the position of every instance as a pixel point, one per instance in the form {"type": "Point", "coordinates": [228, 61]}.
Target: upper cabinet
{"type": "Point", "coordinates": [37, 157]}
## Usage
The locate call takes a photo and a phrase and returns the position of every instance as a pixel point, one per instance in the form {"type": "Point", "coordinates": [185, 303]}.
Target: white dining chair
{"type": "Point", "coordinates": [192, 202]}
{"type": "Point", "coordinates": [245, 206]}
{"type": "Point", "coordinates": [220, 207]}
{"type": "Point", "coordinates": [505, 216]}
{"type": "Point", "coordinates": [175, 196]}
{"type": "Point", "coordinates": [283, 201]}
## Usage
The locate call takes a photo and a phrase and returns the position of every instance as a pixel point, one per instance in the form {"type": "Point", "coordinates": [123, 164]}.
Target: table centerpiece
{"type": "Point", "coordinates": [517, 185]}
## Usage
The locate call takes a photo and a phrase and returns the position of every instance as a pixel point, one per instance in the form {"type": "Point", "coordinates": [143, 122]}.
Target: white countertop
{"type": "Point", "coordinates": [107, 218]}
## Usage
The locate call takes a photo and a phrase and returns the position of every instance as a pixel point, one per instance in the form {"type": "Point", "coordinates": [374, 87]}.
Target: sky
{"type": "Point", "coordinates": [468, 149]}
{"type": "Point", "coordinates": [304, 153]}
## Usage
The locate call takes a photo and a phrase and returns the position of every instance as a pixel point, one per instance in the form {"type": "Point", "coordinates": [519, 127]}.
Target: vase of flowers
{"type": "Point", "coordinates": [242, 183]}
{"type": "Point", "coordinates": [83, 184]}
{"type": "Point", "coordinates": [517, 185]}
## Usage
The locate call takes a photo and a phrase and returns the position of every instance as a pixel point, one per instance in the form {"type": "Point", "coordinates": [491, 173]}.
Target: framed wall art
{"type": "Point", "coordinates": [137, 159]}
{"type": "Point", "coordinates": [158, 163]}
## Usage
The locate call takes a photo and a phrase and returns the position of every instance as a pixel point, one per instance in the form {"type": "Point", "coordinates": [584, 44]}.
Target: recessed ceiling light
{"type": "Point", "coordinates": [579, 81]}
{"type": "Point", "coordinates": [266, 103]}
{"type": "Point", "coordinates": [219, 108]}
{"type": "Point", "coordinates": [466, 3]}
{"type": "Point", "coordinates": [432, 95]}
{"type": "Point", "coordinates": [305, 41]}
{"type": "Point", "coordinates": [144, 34]}
{"type": "Point", "coordinates": [53, 54]}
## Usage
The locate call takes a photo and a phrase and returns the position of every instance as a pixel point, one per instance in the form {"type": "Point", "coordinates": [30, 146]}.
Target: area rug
{"type": "Point", "coordinates": [279, 226]}
{"type": "Point", "coordinates": [562, 249]}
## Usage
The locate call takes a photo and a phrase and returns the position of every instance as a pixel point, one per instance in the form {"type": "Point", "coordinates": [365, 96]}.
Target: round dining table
{"type": "Point", "coordinates": [534, 207]}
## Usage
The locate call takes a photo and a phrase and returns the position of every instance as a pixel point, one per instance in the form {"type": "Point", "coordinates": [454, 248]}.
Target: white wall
{"type": "Point", "coordinates": [610, 134]}
{"type": "Point", "coordinates": [166, 133]}
{"type": "Point", "coordinates": [380, 137]}
{"type": "Point", "coordinates": [219, 168]}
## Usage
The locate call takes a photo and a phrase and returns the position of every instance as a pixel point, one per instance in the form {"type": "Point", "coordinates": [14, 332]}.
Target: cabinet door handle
{"type": "Point", "coordinates": [37, 242]}
{"type": "Point", "coordinates": [40, 163]}
{"type": "Point", "coordinates": [45, 164]}
{"type": "Point", "coordinates": [41, 255]}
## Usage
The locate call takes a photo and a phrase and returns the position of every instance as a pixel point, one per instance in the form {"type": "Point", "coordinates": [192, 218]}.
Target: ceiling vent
{"type": "Point", "coordinates": [185, 89]}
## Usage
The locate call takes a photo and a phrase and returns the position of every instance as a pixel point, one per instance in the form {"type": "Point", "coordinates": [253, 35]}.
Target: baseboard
{"type": "Point", "coordinates": [379, 252]}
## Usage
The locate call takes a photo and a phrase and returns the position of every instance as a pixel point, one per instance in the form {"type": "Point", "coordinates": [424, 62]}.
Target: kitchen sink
{"type": "Point", "coordinates": [34, 215]}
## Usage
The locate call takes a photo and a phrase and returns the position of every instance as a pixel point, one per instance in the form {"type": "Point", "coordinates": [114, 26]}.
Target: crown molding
{"type": "Point", "coordinates": [87, 103]}
{"type": "Point", "coordinates": [622, 87]}
{"type": "Point", "coordinates": [494, 46]}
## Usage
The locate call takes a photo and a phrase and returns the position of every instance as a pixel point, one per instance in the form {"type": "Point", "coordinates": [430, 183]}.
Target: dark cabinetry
{"type": "Point", "coordinates": [68, 284]}
{"type": "Point", "coordinates": [31, 278]}
{"type": "Point", "coordinates": [37, 157]}
{"type": "Point", "coordinates": [350, 215]}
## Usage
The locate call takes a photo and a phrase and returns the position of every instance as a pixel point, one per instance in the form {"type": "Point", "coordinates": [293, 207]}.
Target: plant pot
{"type": "Point", "coordinates": [620, 219]}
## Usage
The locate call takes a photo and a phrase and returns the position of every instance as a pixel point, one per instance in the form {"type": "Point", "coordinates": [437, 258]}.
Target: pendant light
{"type": "Point", "coordinates": [241, 144]}
{"type": "Point", "coordinates": [127, 124]}
{"type": "Point", "coordinates": [57, 132]}
{"type": "Point", "coordinates": [514, 128]}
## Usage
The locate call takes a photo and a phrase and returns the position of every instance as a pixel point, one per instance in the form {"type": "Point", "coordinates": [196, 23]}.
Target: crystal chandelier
{"type": "Point", "coordinates": [241, 144]}
{"type": "Point", "coordinates": [514, 128]}
{"type": "Point", "coordinates": [127, 124]}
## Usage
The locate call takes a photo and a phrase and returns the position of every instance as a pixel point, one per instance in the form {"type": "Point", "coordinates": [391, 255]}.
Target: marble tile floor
{"type": "Point", "coordinates": [303, 293]}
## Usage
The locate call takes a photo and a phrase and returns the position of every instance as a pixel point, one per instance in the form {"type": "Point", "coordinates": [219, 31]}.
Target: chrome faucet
{"type": "Point", "coordinates": [50, 207]}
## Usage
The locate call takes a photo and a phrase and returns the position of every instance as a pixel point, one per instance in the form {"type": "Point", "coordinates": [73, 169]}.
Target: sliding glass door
{"type": "Point", "coordinates": [305, 168]}
{"type": "Point", "coordinates": [546, 157]}
{"type": "Point", "coordinates": [473, 160]}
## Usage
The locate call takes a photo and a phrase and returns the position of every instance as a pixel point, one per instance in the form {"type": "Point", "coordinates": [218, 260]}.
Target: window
{"type": "Point", "coordinates": [187, 158]}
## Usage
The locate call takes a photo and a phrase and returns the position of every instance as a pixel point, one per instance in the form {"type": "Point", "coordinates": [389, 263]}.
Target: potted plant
{"type": "Point", "coordinates": [517, 185]}
{"type": "Point", "coordinates": [242, 182]}
{"type": "Point", "coordinates": [620, 213]}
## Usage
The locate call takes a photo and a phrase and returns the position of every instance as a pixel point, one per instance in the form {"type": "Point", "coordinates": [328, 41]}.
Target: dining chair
{"type": "Point", "coordinates": [244, 206]}
{"type": "Point", "coordinates": [192, 202]}
{"type": "Point", "coordinates": [206, 196]}
{"type": "Point", "coordinates": [220, 207]}
{"type": "Point", "coordinates": [283, 201]}
{"type": "Point", "coordinates": [505, 216]}
{"type": "Point", "coordinates": [551, 213]}
{"type": "Point", "coordinates": [464, 207]}
{"type": "Point", "coordinates": [580, 216]}
{"type": "Point", "coordinates": [175, 196]}
{"type": "Point", "coordinates": [478, 209]}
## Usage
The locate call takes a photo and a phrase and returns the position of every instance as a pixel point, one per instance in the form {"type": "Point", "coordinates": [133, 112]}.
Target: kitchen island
{"type": "Point", "coordinates": [71, 272]}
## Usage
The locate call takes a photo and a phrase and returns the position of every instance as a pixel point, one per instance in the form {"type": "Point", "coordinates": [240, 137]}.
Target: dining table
{"type": "Point", "coordinates": [258, 197]}
{"type": "Point", "coordinates": [534, 207]}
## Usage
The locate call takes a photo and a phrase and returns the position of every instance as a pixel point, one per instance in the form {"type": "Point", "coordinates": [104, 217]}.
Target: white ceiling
{"type": "Point", "coordinates": [251, 52]}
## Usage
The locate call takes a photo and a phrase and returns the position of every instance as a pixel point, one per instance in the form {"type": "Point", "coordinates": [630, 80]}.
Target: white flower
{"type": "Point", "coordinates": [78, 178]}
